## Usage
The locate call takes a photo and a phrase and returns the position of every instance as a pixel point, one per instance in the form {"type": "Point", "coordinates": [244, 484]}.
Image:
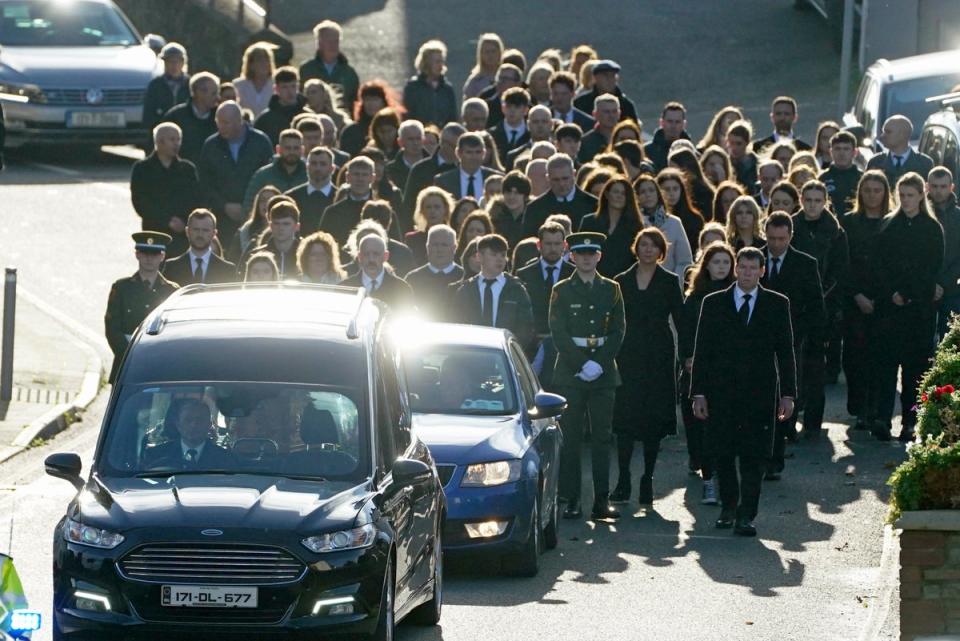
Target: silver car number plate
{"type": "Point", "coordinates": [106, 119]}
{"type": "Point", "coordinates": [208, 596]}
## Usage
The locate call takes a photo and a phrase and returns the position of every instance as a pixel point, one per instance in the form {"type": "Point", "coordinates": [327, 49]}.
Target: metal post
{"type": "Point", "coordinates": [268, 14]}
{"type": "Point", "coordinates": [846, 53]}
{"type": "Point", "coordinates": [9, 316]}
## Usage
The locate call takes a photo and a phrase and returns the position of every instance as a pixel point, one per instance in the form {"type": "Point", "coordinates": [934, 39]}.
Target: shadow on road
{"type": "Point", "coordinates": [55, 165]}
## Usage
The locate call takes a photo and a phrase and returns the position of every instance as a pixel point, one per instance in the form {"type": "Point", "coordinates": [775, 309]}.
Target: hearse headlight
{"type": "Point", "coordinates": [77, 532]}
{"type": "Point", "coordinates": [358, 537]}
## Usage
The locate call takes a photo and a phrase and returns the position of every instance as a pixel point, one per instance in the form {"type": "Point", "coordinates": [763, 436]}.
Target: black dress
{"type": "Point", "coordinates": [618, 248]}
{"type": "Point", "coordinates": [646, 402]}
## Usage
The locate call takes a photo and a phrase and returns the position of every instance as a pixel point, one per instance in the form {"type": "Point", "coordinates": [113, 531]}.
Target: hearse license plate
{"type": "Point", "coordinates": [208, 596]}
{"type": "Point", "coordinates": [106, 119]}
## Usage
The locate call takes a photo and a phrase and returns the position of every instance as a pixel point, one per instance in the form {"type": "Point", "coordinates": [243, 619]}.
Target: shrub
{"type": "Point", "coordinates": [928, 480]}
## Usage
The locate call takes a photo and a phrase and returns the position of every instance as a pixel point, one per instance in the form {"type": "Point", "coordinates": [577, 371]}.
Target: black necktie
{"type": "Point", "coordinates": [488, 301]}
{"type": "Point", "coordinates": [471, 191]}
{"type": "Point", "coordinates": [898, 162]}
{"type": "Point", "coordinates": [551, 275]}
{"type": "Point", "coordinates": [198, 271]}
{"type": "Point", "coordinates": [513, 138]}
{"type": "Point", "coordinates": [774, 267]}
{"type": "Point", "coordinates": [191, 456]}
{"type": "Point", "coordinates": [744, 311]}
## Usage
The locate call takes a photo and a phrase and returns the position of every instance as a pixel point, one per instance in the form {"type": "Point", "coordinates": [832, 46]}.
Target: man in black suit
{"type": "Point", "coordinates": [314, 196]}
{"type": "Point", "coordinates": [606, 114]}
{"type": "Point", "coordinates": [794, 274]}
{"type": "Point", "coordinates": [199, 264]}
{"type": "Point", "coordinates": [194, 450]}
{"type": "Point", "coordinates": [422, 174]}
{"type": "Point", "coordinates": [743, 380]}
{"type": "Point", "coordinates": [900, 158]}
{"type": "Point", "coordinates": [431, 282]}
{"type": "Point", "coordinates": [508, 76]}
{"type": "Point", "coordinates": [511, 132]}
{"type": "Point", "coordinates": [381, 284]}
{"type": "Point", "coordinates": [563, 86]}
{"type": "Point", "coordinates": [783, 116]}
{"type": "Point", "coordinates": [468, 178]}
{"type": "Point", "coordinates": [410, 141]}
{"type": "Point", "coordinates": [494, 298]}
{"type": "Point", "coordinates": [539, 276]}
{"type": "Point", "coordinates": [564, 197]}
{"type": "Point", "coordinates": [540, 128]}
{"type": "Point", "coordinates": [342, 216]}
{"type": "Point", "coordinates": [195, 117]}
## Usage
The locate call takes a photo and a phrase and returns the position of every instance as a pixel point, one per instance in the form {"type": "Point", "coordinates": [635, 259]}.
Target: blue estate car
{"type": "Point", "coordinates": [494, 435]}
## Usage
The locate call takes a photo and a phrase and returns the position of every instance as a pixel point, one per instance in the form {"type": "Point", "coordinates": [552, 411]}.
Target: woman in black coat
{"type": "Point", "coordinates": [646, 404]}
{"type": "Point", "coordinates": [713, 272]}
{"type": "Point", "coordinates": [618, 217]}
{"type": "Point", "coordinates": [908, 257]}
{"type": "Point", "coordinates": [861, 342]}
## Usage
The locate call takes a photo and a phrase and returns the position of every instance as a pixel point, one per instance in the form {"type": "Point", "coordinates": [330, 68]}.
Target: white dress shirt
{"type": "Point", "coordinates": [446, 270]}
{"type": "Point", "coordinates": [497, 287]}
{"type": "Point", "coordinates": [545, 270]}
{"type": "Point", "coordinates": [204, 265]}
{"type": "Point", "coordinates": [738, 295]}
{"type": "Point", "coordinates": [770, 258]}
{"type": "Point", "coordinates": [186, 448]}
{"type": "Point", "coordinates": [371, 284]}
{"type": "Point", "coordinates": [509, 131]}
{"type": "Point", "coordinates": [477, 183]}
{"type": "Point", "coordinates": [323, 189]}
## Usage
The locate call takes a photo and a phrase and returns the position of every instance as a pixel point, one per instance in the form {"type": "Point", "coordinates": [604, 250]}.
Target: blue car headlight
{"type": "Point", "coordinates": [489, 474]}
{"type": "Point", "coordinates": [358, 537]}
{"type": "Point", "coordinates": [77, 532]}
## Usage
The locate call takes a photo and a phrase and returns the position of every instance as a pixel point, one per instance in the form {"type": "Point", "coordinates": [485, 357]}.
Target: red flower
{"type": "Point", "coordinates": [948, 389]}
{"type": "Point", "coordinates": [923, 398]}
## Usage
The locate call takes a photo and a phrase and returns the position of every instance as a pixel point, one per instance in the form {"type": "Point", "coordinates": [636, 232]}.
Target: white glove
{"type": "Point", "coordinates": [592, 369]}
{"type": "Point", "coordinates": [590, 372]}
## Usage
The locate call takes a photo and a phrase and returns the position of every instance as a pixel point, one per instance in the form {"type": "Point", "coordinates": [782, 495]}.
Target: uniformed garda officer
{"type": "Point", "coordinates": [133, 298]}
{"type": "Point", "coordinates": [587, 323]}
{"type": "Point", "coordinates": [12, 596]}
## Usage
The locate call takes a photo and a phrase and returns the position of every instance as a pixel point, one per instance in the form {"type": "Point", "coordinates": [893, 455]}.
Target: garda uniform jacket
{"type": "Point", "coordinates": [131, 300]}
{"type": "Point", "coordinates": [578, 310]}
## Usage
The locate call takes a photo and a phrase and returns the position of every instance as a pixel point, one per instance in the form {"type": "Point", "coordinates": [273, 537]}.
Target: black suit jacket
{"type": "Point", "coordinates": [311, 207]}
{"type": "Point", "coordinates": [394, 291]}
{"type": "Point", "coordinates": [171, 453]}
{"type": "Point", "coordinates": [581, 118]}
{"type": "Point", "coordinates": [531, 275]}
{"type": "Point", "coordinates": [514, 310]}
{"type": "Point", "coordinates": [916, 161]}
{"type": "Point", "coordinates": [432, 291]}
{"type": "Point", "coordinates": [799, 280]}
{"type": "Point", "coordinates": [449, 181]}
{"type": "Point", "coordinates": [499, 133]}
{"type": "Point", "coordinates": [180, 270]}
{"type": "Point", "coordinates": [759, 146]}
{"type": "Point", "coordinates": [743, 370]}
{"type": "Point", "coordinates": [420, 177]}
{"type": "Point", "coordinates": [539, 209]}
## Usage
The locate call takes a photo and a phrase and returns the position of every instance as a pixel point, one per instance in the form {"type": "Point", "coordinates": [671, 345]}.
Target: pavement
{"type": "Point", "coordinates": [56, 375]}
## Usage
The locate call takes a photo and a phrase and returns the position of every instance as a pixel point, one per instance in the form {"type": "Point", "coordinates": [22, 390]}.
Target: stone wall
{"type": "Point", "coordinates": [929, 574]}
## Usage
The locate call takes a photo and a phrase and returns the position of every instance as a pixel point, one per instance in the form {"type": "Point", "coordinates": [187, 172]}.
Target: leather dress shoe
{"type": "Point", "coordinates": [771, 476]}
{"type": "Point", "coordinates": [906, 434]}
{"type": "Point", "coordinates": [572, 511]}
{"type": "Point", "coordinates": [621, 493]}
{"type": "Point", "coordinates": [744, 527]}
{"type": "Point", "coordinates": [725, 522]}
{"type": "Point", "coordinates": [603, 510]}
{"type": "Point", "coordinates": [881, 430]}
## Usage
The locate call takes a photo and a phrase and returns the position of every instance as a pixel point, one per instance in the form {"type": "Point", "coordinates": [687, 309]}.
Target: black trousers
{"type": "Point", "coordinates": [740, 493]}
{"type": "Point", "coordinates": [812, 400]}
{"type": "Point", "coordinates": [860, 350]}
{"type": "Point", "coordinates": [700, 456]}
{"type": "Point", "coordinates": [651, 450]}
{"type": "Point", "coordinates": [583, 405]}
{"type": "Point", "coordinates": [834, 346]}
{"type": "Point", "coordinates": [908, 336]}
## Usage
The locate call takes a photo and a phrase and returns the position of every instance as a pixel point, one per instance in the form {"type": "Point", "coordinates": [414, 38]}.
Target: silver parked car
{"type": "Point", "coordinates": [72, 71]}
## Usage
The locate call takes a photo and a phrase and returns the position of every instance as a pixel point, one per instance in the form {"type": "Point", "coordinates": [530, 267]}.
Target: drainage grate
{"type": "Point", "coordinates": [42, 396]}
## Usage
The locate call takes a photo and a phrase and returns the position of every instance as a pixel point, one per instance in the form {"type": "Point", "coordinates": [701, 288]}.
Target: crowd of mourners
{"type": "Point", "coordinates": [532, 200]}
